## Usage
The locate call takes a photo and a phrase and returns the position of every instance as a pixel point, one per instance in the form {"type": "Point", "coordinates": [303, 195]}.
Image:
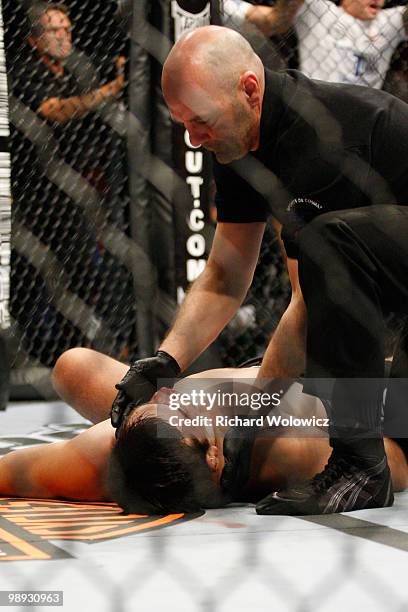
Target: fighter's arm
{"type": "Point", "coordinates": [74, 469]}
{"type": "Point", "coordinates": [285, 355]}
{"type": "Point", "coordinates": [218, 292]}
{"type": "Point", "coordinates": [276, 19]}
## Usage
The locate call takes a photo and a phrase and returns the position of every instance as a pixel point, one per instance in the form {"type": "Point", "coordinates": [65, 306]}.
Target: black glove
{"type": "Point", "coordinates": [140, 383]}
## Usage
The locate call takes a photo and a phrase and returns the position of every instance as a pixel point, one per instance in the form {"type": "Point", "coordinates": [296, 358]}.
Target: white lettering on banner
{"type": "Point", "coordinates": [194, 161]}
{"type": "Point", "coordinates": [195, 183]}
{"type": "Point", "coordinates": [181, 294]}
{"type": "Point", "coordinates": [196, 245]}
{"type": "Point", "coordinates": [184, 21]}
{"type": "Point", "coordinates": [196, 223]}
{"type": "Point", "coordinates": [188, 141]}
{"type": "Point", "coordinates": [194, 269]}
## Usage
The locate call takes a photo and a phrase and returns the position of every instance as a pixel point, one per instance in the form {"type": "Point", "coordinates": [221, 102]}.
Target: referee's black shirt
{"type": "Point", "coordinates": [323, 147]}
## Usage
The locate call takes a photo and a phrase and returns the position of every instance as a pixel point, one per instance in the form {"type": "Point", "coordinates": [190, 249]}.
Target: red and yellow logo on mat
{"type": "Point", "coordinates": [27, 526]}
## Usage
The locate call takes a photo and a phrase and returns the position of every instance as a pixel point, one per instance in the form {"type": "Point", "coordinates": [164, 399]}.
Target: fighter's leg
{"type": "Point", "coordinates": [86, 380]}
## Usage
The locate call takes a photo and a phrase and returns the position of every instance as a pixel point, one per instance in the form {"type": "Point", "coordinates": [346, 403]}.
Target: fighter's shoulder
{"type": "Point", "coordinates": [96, 442]}
{"type": "Point", "coordinates": [77, 468]}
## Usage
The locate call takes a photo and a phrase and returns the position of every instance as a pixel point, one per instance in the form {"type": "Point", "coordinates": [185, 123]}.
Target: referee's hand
{"type": "Point", "coordinates": [140, 383]}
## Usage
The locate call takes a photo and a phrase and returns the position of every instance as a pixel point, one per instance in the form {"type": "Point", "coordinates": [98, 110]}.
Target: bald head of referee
{"type": "Point", "coordinates": [213, 83]}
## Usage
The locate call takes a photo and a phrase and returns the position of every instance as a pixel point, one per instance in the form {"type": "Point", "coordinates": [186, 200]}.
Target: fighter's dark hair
{"type": "Point", "coordinates": [37, 10]}
{"type": "Point", "coordinates": [152, 470]}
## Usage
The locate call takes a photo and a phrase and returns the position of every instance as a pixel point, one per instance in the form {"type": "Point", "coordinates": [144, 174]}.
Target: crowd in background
{"type": "Point", "coordinates": [351, 41]}
{"type": "Point", "coordinates": [67, 67]}
{"type": "Point", "coordinates": [66, 73]}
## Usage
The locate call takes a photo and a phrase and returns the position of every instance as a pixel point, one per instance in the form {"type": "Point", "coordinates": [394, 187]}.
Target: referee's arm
{"type": "Point", "coordinates": [285, 355]}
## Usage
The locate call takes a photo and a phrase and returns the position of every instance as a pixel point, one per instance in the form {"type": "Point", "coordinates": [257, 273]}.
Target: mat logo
{"type": "Point", "coordinates": [49, 433]}
{"type": "Point", "coordinates": [185, 21]}
{"type": "Point", "coordinates": [28, 526]}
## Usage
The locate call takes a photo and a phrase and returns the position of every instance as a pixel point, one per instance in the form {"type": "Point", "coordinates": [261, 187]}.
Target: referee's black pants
{"type": "Point", "coordinates": [353, 268]}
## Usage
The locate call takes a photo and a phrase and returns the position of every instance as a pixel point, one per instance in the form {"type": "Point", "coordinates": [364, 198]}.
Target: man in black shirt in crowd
{"type": "Point", "coordinates": [330, 163]}
{"type": "Point", "coordinates": [65, 86]}
{"type": "Point", "coordinates": [59, 147]}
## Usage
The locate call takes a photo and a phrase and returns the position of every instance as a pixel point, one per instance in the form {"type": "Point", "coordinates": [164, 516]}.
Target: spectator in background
{"type": "Point", "coordinates": [62, 86]}
{"type": "Point", "coordinates": [350, 43]}
{"type": "Point", "coordinates": [52, 41]}
{"type": "Point", "coordinates": [63, 144]}
{"type": "Point", "coordinates": [254, 22]}
{"type": "Point", "coordinates": [59, 83]}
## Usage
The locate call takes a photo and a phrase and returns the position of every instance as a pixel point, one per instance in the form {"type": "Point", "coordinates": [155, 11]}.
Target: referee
{"type": "Point", "coordinates": [330, 163]}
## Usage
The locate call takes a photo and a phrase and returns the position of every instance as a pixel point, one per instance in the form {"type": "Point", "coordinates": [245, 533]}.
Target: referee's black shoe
{"type": "Point", "coordinates": [349, 482]}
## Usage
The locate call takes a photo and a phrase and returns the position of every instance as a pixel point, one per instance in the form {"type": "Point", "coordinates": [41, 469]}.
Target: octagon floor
{"type": "Point", "coordinates": [226, 560]}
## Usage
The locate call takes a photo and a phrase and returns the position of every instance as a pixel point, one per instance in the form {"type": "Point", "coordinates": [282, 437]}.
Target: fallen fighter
{"type": "Point", "coordinates": [146, 473]}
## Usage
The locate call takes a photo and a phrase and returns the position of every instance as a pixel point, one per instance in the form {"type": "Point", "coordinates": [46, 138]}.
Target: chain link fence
{"type": "Point", "coordinates": [70, 278]}
{"type": "Point", "coordinates": [72, 283]}
{"type": "Point", "coordinates": [71, 261]}
{"type": "Point", "coordinates": [326, 41]}
{"type": "Point", "coordinates": [71, 272]}
{"type": "Point", "coordinates": [249, 332]}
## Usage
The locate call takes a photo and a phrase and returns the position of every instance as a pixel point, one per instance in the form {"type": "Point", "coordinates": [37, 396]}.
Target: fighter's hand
{"type": "Point", "coordinates": [140, 383]}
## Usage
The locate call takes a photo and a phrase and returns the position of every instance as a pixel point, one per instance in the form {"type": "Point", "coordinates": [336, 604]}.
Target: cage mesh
{"type": "Point", "coordinates": [70, 279]}
{"type": "Point", "coordinates": [71, 284]}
